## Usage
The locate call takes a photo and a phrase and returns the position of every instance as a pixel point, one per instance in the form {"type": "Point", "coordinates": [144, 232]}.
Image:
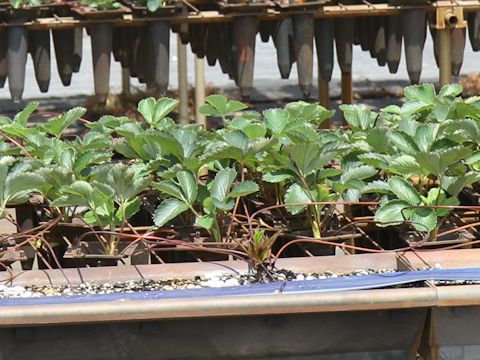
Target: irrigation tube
{"type": "Point", "coordinates": [322, 295]}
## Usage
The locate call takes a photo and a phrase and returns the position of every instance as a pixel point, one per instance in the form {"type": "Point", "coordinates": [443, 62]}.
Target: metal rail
{"type": "Point", "coordinates": [444, 16]}
{"type": "Point", "coordinates": [212, 16]}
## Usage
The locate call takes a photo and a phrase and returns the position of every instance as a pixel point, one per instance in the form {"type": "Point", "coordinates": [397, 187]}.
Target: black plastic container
{"type": "Point", "coordinates": [245, 31]}
{"type": "Point", "coordinates": [303, 32]}
{"type": "Point", "coordinates": [39, 48]}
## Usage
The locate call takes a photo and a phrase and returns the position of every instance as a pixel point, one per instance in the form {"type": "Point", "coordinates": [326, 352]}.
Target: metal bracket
{"type": "Point", "coordinates": [449, 17]}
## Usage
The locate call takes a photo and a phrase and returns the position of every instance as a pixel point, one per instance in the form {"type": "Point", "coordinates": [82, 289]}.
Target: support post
{"type": "Point", "coordinates": [199, 90]}
{"type": "Point", "coordinates": [347, 93]}
{"type": "Point", "coordinates": [323, 97]}
{"type": "Point", "coordinates": [125, 82]}
{"type": "Point", "coordinates": [182, 81]}
{"type": "Point", "coordinates": [447, 19]}
{"type": "Point", "coordinates": [445, 61]}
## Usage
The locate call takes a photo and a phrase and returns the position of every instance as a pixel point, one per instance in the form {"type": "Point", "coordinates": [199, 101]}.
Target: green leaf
{"type": "Point", "coordinates": [254, 131]}
{"type": "Point", "coordinates": [188, 184]}
{"type": "Point", "coordinates": [237, 139]}
{"type": "Point", "coordinates": [307, 112]}
{"type": "Point", "coordinates": [18, 187]}
{"type": "Point", "coordinates": [376, 160]}
{"type": "Point", "coordinates": [424, 93]}
{"type": "Point", "coordinates": [392, 212]}
{"type": "Point", "coordinates": [308, 157]}
{"type": "Point", "coordinates": [57, 125]}
{"type": "Point", "coordinates": [155, 110]}
{"type": "Point", "coordinates": [78, 193]}
{"type": "Point", "coordinates": [430, 162]}
{"type": "Point", "coordinates": [216, 106]}
{"type": "Point", "coordinates": [352, 195]}
{"type": "Point", "coordinates": [425, 136]}
{"type": "Point", "coordinates": [89, 158]}
{"type": "Point", "coordinates": [376, 186]}
{"type": "Point", "coordinates": [451, 90]}
{"type": "Point", "coordinates": [170, 188]}
{"type": "Point", "coordinates": [168, 210]}
{"type": "Point", "coordinates": [409, 126]}
{"type": "Point", "coordinates": [131, 208]}
{"type": "Point", "coordinates": [22, 117]}
{"type": "Point", "coordinates": [461, 183]}
{"type": "Point", "coordinates": [404, 142]}
{"type": "Point", "coordinates": [405, 165]}
{"type": "Point", "coordinates": [358, 173]}
{"type": "Point", "coordinates": [154, 5]}
{"type": "Point", "coordinates": [234, 106]}
{"type": "Point", "coordinates": [423, 219]}
{"type": "Point", "coordinates": [243, 189]}
{"type": "Point", "coordinates": [220, 186]}
{"type": "Point", "coordinates": [277, 176]}
{"type": "Point", "coordinates": [295, 194]}
{"type": "Point", "coordinates": [378, 139]}
{"type": "Point", "coordinates": [205, 221]}
{"type": "Point", "coordinates": [276, 120]}
{"type": "Point", "coordinates": [404, 190]}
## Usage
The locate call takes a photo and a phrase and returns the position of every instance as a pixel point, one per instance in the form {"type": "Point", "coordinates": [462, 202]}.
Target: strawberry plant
{"type": "Point", "coordinates": [415, 159]}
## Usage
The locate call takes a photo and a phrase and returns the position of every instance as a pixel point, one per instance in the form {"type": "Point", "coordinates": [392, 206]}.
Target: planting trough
{"type": "Point", "coordinates": [317, 319]}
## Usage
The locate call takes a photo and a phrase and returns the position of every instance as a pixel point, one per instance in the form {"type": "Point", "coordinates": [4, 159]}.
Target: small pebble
{"type": "Point", "coordinates": [211, 280]}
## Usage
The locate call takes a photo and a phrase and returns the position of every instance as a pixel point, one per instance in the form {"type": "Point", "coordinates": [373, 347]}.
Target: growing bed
{"type": "Point", "coordinates": [266, 197]}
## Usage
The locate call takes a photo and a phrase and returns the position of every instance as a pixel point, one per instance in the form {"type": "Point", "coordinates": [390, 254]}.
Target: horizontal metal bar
{"type": "Point", "coordinates": [217, 306]}
{"type": "Point", "coordinates": [212, 16]}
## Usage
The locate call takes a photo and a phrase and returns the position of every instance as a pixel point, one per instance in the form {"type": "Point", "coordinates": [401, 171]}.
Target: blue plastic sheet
{"type": "Point", "coordinates": [363, 282]}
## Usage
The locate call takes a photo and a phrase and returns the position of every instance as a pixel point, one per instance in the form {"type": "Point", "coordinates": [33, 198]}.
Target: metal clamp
{"type": "Point", "coordinates": [449, 17]}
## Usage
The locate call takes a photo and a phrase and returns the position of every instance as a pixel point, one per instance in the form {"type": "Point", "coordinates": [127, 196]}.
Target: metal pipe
{"type": "Point", "coordinates": [182, 81]}
{"type": "Point", "coordinates": [445, 58]}
{"type": "Point", "coordinates": [199, 90]}
{"type": "Point", "coordinates": [217, 306]}
{"type": "Point", "coordinates": [462, 295]}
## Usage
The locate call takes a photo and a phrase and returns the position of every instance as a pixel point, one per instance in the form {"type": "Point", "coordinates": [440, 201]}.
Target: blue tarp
{"type": "Point", "coordinates": [318, 286]}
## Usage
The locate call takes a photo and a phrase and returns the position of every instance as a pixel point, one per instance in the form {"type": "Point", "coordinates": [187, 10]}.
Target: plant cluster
{"type": "Point", "coordinates": [414, 160]}
{"type": "Point", "coordinates": [152, 5]}
{"type": "Point", "coordinates": [101, 5]}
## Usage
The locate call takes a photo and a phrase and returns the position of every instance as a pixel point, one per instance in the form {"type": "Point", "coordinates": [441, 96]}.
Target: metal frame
{"type": "Point", "coordinates": [444, 11]}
